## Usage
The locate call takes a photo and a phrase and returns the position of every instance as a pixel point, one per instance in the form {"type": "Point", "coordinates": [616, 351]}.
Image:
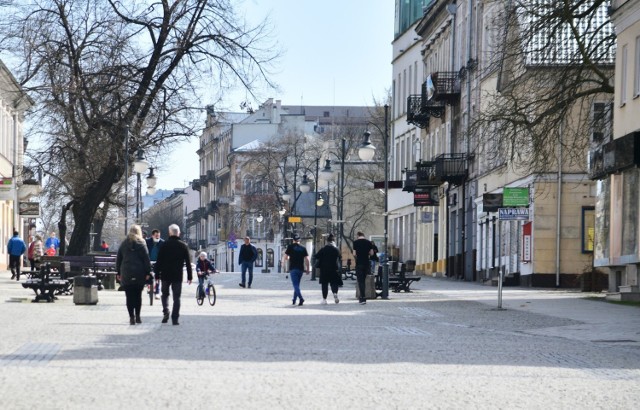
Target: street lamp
{"type": "Point", "coordinates": [140, 166]}
{"type": "Point", "coordinates": [366, 153]}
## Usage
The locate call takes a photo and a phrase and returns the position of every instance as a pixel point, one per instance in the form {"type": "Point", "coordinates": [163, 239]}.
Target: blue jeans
{"type": "Point", "coordinates": [296, 276]}
{"type": "Point", "coordinates": [245, 266]}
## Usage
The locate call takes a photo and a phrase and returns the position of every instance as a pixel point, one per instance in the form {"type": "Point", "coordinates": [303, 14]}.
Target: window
{"type": "Point", "coordinates": [588, 228]}
{"type": "Point", "coordinates": [601, 123]}
{"type": "Point", "coordinates": [636, 70]}
{"type": "Point", "coordinates": [623, 76]}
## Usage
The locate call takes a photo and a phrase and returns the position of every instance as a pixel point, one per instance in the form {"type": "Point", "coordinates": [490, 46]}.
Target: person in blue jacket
{"type": "Point", "coordinates": [15, 248]}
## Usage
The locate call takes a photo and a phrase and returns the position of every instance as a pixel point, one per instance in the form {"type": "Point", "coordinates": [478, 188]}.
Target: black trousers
{"type": "Point", "coordinates": [325, 289]}
{"type": "Point", "coordinates": [14, 263]}
{"type": "Point", "coordinates": [176, 290]}
{"type": "Point", "coordinates": [361, 273]}
{"type": "Point", "coordinates": [134, 299]}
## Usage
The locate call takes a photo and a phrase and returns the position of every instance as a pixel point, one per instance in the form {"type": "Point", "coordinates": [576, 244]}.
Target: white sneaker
{"type": "Point", "coordinates": [323, 302]}
{"type": "Point", "coordinates": [157, 297]}
{"type": "Point", "coordinates": [335, 298]}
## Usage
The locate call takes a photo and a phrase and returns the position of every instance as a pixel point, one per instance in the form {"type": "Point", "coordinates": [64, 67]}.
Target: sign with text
{"type": "Point", "coordinates": [512, 197]}
{"type": "Point", "coordinates": [425, 196]}
{"type": "Point", "coordinates": [295, 219]}
{"type": "Point", "coordinates": [513, 214]}
{"type": "Point", "coordinates": [526, 242]}
{"type": "Point", "coordinates": [491, 202]}
{"type": "Point", "coordinates": [29, 208]}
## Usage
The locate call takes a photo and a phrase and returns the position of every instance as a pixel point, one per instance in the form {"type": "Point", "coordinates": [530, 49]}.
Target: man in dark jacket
{"type": "Point", "coordinates": [172, 257]}
{"type": "Point", "coordinates": [154, 243]}
{"type": "Point", "coordinates": [246, 258]}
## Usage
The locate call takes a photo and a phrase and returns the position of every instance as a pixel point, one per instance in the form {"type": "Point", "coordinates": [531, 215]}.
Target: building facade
{"type": "Point", "coordinates": [17, 184]}
{"type": "Point", "coordinates": [617, 230]}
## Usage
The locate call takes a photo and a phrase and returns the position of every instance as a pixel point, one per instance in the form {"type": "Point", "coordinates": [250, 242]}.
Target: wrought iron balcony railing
{"type": "Point", "coordinates": [442, 86]}
{"type": "Point", "coordinates": [451, 168]}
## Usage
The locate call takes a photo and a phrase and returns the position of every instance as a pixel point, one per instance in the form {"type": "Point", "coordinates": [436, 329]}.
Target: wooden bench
{"type": "Point", "coordinates": [46, 284]}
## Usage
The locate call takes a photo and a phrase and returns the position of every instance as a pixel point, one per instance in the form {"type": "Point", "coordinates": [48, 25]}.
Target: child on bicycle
{"type": "Point", "coordinates": [203, 267]}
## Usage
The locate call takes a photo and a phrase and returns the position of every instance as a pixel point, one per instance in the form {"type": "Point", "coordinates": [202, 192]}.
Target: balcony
{"type": "Point", "coordinates": [212, 208]}
{"type": "Point", "coordinates": [614, 156]}
{"type": "Point", "coordinates": [423, 176]}
{"type": "Point", "coordinates": [211, 176]}
{"type": "Point", "coordinates": [415, 113]}
{"type": "Point", "coordinates": [195, 185]}
{"type": "Point", "coordinates": [443, 86]}
{"type": "Point", "coordinates": [451, 168]}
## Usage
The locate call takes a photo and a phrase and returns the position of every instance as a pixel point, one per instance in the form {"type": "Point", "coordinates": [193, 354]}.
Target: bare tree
{"type": "Point", "coordinates": [553, 58]}
{"type": "Point", "coordinates": [113, 77]}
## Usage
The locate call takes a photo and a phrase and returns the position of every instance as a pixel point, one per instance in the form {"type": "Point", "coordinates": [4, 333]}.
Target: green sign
{"type": "Point", "coordinates": [515, 197]}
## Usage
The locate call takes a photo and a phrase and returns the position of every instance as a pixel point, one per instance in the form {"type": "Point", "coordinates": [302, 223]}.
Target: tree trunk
{"type": "Point", "coordinates": [85, 208]}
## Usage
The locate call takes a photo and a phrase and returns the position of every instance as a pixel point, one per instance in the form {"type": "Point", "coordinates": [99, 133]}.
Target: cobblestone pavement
{"type": "Point", "coordinates": [443, 346]}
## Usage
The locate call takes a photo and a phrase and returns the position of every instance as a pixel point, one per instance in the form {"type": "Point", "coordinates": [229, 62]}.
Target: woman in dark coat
{"type": "Point", "coordinates": [133, 270]}
{"type": "Point", "coordinates": [328, 260]}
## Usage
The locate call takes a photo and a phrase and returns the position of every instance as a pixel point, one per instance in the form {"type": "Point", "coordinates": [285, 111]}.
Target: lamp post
{"type": "Point", "coordinates": [366, 153]}
{"type": "Point", "coordinates": [265, 268]}
{"type": "Point", "coordinates": [315, 223]}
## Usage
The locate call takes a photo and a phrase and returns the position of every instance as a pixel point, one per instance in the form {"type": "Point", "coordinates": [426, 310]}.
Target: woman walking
{"type": "Point", "coordinates": [133, 268]}
{"type": "Point", "coordinates": [328, 260]}
{"type": "Point", "coordinates": [35, 252]}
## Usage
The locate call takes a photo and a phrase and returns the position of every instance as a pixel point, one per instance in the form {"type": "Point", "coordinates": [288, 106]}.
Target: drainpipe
{"type": "Point", "coordinates": [559, 205]}
{"type": "Point", "coordinates": [16, 216]}
{"type": "Point", "coordinates": [466, 190]}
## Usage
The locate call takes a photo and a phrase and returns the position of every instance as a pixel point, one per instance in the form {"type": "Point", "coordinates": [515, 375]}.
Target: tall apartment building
{"type": "Point", "coordinates": [455, 172]}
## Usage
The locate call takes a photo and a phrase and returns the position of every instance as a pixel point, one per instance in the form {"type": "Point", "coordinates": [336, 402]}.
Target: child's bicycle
{"type": "Point", "coordinates": [207, 289]}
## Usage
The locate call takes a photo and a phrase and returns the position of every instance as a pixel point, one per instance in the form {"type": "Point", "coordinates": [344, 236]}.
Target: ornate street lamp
{"type": "Point", "coordinates": [366, 153]}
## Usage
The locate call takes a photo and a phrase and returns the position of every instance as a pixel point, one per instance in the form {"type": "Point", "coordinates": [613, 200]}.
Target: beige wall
{"type": "Point", "coordinates": [626, 116]}
{"type": "Point", "coordinates": [575, 195]}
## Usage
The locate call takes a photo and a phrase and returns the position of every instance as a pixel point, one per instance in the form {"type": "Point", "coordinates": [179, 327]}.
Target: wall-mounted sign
{"type": "Point", "coordinates": [6, 183]}
{"type": "Point", "coordinates": [295, 219]}
{"type": "Point", "coordinates": [29, 208]}
{"type": "Point", "coordinates": [513, 214]}
{"type": "Point", "coordinates": [491, 202]}
{"type": "Point", "coordinates": [425, 196]}
{"type": "Point", "coordinates": [512, 197]}
{"type": "Point", "coordinates": [526, 242]}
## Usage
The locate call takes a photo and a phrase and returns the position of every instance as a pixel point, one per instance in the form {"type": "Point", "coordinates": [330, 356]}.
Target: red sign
{"type": "Point", "coordinates": [526, 242]}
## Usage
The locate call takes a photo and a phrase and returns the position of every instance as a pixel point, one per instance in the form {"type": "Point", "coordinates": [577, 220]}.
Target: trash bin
{"type": "Point", "coordinates": [85, 290]}
{"type": "Point", "coordinates": [369, 288]}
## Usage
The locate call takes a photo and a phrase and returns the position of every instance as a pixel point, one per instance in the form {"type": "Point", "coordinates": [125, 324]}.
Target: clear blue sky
{"type": "Point", "coordinates": [335, 52]}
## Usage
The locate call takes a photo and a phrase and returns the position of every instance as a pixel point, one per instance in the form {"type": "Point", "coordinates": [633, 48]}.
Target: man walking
{"type": "Point", "coordinates": [154, 243]}
{"type": "Point", "coordinates": [362, 250]}
{"type": "Point", "coordinates": [172, 257]}
{"type": "Point", "coordinates": [298, 260]}
{"type": "Point", "coordinates": [246, 258]}
{"type": "Point", "coordinates": [15, 248]}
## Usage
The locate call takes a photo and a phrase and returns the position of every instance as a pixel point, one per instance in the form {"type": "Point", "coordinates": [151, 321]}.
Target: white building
{"type": "Point", "coordinates": [16, 185]}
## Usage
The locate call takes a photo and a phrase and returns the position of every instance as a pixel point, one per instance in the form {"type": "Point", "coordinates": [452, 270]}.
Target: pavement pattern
{"type": "Point", "coordinates": [444, 346]}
